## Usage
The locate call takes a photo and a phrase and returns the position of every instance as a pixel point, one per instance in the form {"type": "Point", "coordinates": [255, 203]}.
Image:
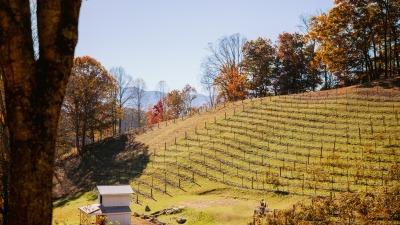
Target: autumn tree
{"type": "Point", "coordinates": [174, 104]}
{"type": "Point", "coordinates": [89, 99]}
{"type": "Point", "coordinates": [227, 51]}
{"type": "Point", "coordinates": [162, 90]}
{"type": "Point", "coordinates": [123, 94]}
{"type": "Point", "coordinates": [232, 83]}
{"type": "Point", "coordinates": [155, 114]}
{"type": "Point", "coordinates": [294, 59]}
{"type": "Point", "coordinates": [258, 64]}
{"type": "Point", "coordinates": [337, 50]}
{"type": "Point", "coordinates": [189, 94]}
{"type": "Point", "coordinates": [364, 44]}
{"type": "Point", "coordinates": [34, 90]}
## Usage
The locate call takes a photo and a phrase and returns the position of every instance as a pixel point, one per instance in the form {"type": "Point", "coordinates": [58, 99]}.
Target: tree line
{"type": "Point", "coordinates": [172, 105]}
{"type": "Point", "coordinates": [100, 103]}
{"type": "Point", "coordinates": [355, 42]}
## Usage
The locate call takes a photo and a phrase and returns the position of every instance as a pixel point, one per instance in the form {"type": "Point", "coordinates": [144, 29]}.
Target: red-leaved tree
{"type": "Point", "coordinates": [155, 114]}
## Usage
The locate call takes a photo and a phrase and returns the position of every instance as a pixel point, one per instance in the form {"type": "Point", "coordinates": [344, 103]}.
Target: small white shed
{"type": "Point", "coordinates": [112, 206]}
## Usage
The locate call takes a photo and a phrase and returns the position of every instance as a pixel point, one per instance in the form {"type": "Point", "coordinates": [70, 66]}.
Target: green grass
{"type": "Point", "coordinates": [306, 144]}
{"type": "Point", "coordinates": [66, 210]}
{"type": "Point", "coordinates": [215, 203]}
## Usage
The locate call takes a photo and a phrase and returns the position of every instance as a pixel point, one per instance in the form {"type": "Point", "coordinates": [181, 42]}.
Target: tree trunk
{"type": "Point", "coordinates": [138, 116]}
{"type": "Point", "coordinates": [5, 168]}
{"type": "Point", "coordinates": [119, 125]}
{"type": "Point", "coordinates": [83, 136]}
{"type": "Point", "coordinates": [4, 160]}
{"type": "Point", "coordinates": [34, 91]}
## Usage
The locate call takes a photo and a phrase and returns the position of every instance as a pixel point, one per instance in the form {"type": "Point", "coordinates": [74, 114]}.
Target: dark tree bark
{"type": "Point", "coordinates": [34, 90]}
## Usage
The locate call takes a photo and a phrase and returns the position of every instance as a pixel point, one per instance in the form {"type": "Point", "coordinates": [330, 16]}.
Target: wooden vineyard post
{"type": "Point", "coordinates": [154, 157]}
{"type": "Point", "coordinates": [372, 128]}
{"type": "Point", "coordinates": [165, 148]}
{"type": "Point", "coordinates": [384, 122]}
{"type": "Point", "coordinates": [334, 145]}
{"type": "Point", "coordinates": [165, 180]}
{"type": "Point", "coordinates": [315, 188]}
{"type": "Point", "coordinates": [137, 196]}
{"type": "Point", "coordinates": [348, 183]}
{"type": "Point", "coordinates": [307, 163]}
{"type": "Point", "coordinates": [321, 153]}
{"type": "Point", "coordinates": [152, 185]}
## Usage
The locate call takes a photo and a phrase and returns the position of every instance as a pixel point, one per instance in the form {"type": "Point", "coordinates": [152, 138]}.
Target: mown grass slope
{"type": "Point", "coordinates": [221, 162]}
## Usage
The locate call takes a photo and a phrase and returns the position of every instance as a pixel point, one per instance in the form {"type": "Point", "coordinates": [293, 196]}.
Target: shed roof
{"type": "Point", "coordinates": [114, 189]}
{"type": "Point", "coordinates": [97, 209]}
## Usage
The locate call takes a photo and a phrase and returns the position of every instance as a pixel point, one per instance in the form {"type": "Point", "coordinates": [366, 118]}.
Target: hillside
{"type": "Point", "coordinates": [284, 148]}
{"type": "Point", "coordinates": [309, 143]}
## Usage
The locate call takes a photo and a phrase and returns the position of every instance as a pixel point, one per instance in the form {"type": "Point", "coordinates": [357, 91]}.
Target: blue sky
{"type": "Point", "coordinates": [167, 39]}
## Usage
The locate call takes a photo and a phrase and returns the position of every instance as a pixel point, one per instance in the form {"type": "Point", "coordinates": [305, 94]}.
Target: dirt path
{"type": "Point", "coordinates": [207, 203]}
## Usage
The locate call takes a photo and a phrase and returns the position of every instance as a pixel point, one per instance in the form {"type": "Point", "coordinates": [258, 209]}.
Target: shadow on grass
{"type": "Point", "coordinates": [115, 160]}
{"type": "Point", "coordinates": [76, 196]}
{"type": "Point", "coordinates": [281, 192]}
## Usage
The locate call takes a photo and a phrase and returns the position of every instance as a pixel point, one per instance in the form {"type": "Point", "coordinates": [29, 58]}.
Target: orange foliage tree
{"type": "Point", "coordinates": [89, 101]}
{"type": "Point", "coordinates": [233, 85]}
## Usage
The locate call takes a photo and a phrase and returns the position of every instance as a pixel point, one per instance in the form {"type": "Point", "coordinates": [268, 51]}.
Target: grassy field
{"type": "Point", "coordinates": [210, 204]}
{"type": "Point", "coordinates": [219, 163]}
